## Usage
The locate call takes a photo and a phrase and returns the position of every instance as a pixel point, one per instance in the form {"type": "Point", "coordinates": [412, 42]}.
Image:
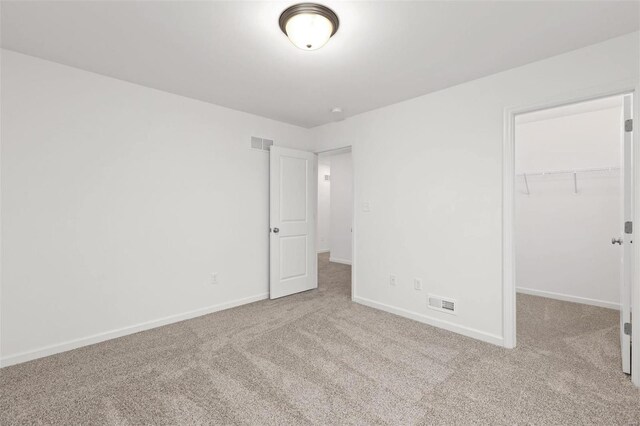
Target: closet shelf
{"type": "Point", "coordinates": [569, 171]}
{"type": "Point", "coordinates": [573, 172]}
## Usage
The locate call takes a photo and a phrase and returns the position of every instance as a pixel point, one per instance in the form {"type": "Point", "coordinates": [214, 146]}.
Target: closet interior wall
{"type": "Point", "coordinates": [569, 202]}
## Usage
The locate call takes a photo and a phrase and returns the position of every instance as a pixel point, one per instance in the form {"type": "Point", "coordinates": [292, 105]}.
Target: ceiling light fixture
{"type": "Point", "coordinates": [309, 26]}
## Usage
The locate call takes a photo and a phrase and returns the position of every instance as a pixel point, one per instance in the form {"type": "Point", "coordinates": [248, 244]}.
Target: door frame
{"type": "Point", "coordinates": [338, 150]}
{"type": "Point", "coordinates": [631, 87]}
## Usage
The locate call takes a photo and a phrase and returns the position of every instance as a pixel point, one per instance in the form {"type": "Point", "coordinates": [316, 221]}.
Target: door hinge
{"type": "Point", "coordinates": [628, 125]}
{"type": "Point", "coordinates": [628, 227]}
{"type": "Point", "coordinates": [627, 328]}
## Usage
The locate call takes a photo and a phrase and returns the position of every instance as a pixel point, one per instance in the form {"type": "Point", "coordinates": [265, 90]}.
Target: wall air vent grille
{"type": "Point", "coordinates": [256, 143]}
{"type": "Point", "coordinates": [441, 304]}
{"type": "Point", "coordinates": [448, 305]}
{"type": "Point", "coordinates": [261, 144]}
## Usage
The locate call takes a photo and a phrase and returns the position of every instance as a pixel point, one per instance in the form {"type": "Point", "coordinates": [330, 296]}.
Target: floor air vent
{"type": "Point", "coordinates": [442, 304]}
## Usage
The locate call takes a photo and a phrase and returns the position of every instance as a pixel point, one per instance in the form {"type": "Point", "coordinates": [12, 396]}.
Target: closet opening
{"type": "Point", "coordinates": [573, 232]}
{"type": "Point", "coordinates": [335, 221]}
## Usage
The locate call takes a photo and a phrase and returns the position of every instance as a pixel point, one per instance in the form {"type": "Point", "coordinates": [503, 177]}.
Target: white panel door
{"type": "Point", "coordinates": [293, 187]}
{"type": "Point", "coordinates": [627, 261]}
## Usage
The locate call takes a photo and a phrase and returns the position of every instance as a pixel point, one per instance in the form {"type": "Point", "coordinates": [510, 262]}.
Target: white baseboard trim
{"type": "Point", "coordinates": [124, 331]}
{"type": "Point", "coordinates": [338, 260]}
{"type": "Point", "coordinates": [322, 251]}
{"type": "Point", "coordinates": [568, 298]}
{"type": "Point", "coordinates": [456, 328]}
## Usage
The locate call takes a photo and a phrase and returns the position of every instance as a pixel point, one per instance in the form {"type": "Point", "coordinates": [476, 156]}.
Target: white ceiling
{"type": "Point", "coordinates": [233, 53]}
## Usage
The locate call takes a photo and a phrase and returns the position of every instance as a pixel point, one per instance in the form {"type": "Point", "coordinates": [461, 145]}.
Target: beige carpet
{"type": "Point", "coordinates": [318, 358]}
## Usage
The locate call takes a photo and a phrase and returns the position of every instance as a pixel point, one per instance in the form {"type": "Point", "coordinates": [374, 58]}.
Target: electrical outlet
{"type": "Point", "coordinates": [417, 283]}
{"type": "Point", "coordinates": [214, 278]}
{"type": "Point", "coordinates": [392, 280]}
{"type": "Point", "coordinates": [366, 207]}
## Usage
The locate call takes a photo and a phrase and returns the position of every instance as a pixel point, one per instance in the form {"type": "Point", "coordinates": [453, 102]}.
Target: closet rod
{"type": "Point", "coordinates": [572, 171]}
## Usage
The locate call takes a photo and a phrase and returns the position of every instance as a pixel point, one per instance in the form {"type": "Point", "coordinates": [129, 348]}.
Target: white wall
{"type": "Point", "coordinates": [324, 204]}
{"type": "Point", "coordinates": [341, 207]}
{"type": "Point", "coordinates": [431, 171]}
{"type": "Point", "coordinates": [118, 201]}
{"type": "Point", "coordinates": [563, 240]}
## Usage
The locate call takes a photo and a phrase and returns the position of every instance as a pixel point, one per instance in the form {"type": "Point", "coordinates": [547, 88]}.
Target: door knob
{"type": "Point", "coordinates": [616, 241]}
{"type": "Point", "coordinates": [276, 230]}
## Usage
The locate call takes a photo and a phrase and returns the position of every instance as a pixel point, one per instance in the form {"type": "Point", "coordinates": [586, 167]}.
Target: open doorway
{"type": "Point", "coordinates": [335, 220]}
{"type": "Point", "coordinates": [573, 252]}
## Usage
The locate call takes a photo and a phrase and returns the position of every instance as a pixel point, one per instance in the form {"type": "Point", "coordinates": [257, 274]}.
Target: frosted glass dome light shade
{"type": "Point", "coordinates": [308, 31]}
{"type": "Point", "coordinates": [309, 26]}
